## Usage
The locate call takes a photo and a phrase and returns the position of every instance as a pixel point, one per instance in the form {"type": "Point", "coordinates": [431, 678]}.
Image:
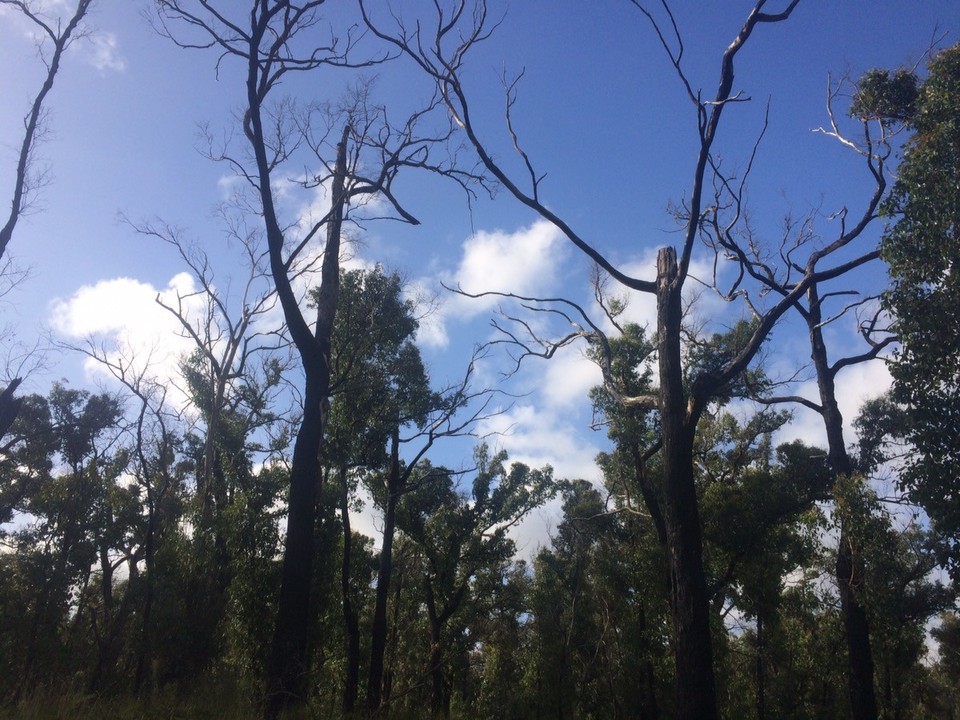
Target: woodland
{"type": "Point", "coordinates": [198, 560]}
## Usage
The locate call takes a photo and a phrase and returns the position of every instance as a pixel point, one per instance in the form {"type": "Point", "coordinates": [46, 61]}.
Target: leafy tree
{"type": "Point", "coordinates": [67, 486]}
{"type": "Point", "coordinates": [464, 542]}
{"type": "Point", "coordinates": [439, 47]}
{"type": "Point", "coordinates": [922, 249]}
{"type": "Point", "coordinates": [357, 154]}
{"type": "Point", "coordinates": [885, 96]}
{"type": "Point", "coordinates": [898, 566]}
{"type": "Point", "coordinates": [598, 617]}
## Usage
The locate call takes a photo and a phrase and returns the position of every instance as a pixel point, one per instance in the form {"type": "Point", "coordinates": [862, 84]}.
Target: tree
{"type": "Point", "coordinates": [230, 379]}
{"type": "Point", "coordinates": [68, 451]}
{"type": "Point", "coordinates": [273, 42]}
{"type": "Point", "coordinates": [463, 536]}
{"type": "Point", "coordinates": [28, 180]}
{"type": "Point", "coordinates": [379, 385]}
{"type": "Point", "coordinates": [679, 398]}
{"type": "Point", "coordinates": [922, 250]}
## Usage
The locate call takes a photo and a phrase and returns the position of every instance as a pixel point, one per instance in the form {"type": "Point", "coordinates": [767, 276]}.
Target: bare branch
{"type": "Point", "coordinates": [24, 184]}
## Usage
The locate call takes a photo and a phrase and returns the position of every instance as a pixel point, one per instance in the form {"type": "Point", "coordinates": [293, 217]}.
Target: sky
{"type": "Point", "coordinates": [599, 110]}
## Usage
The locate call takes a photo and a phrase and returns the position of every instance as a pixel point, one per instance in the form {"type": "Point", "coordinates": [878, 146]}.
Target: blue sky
{"type": "Point", "coordinates": [599, 110]}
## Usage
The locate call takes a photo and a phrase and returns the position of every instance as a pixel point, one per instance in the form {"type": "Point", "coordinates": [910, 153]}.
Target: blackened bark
{"type": "Point", "coordinates": [33, 121]}
{"type": "Point", "coordinates": [649, 709]}
{"type": "Point", "coordinates": [378, 638]}
{"type": "Point", "coordinates": [760, 671]}
{"type": "Point", "coordinates": [863, 703]}
{"type": "Point", "coordinates": [691, 606]}
{"type": "Point", "coordinates": [394, 640]}
{"type": "Point", "coordinates": [439, 692]}
{"type": "Point", "coordinates": [9, 406]}
{"type": "Point", "coordinates": [350, 619]}
{"type": "Point", "coordinates": [289, 665]}
{"type": "Point", "coordinates": [144, 647]}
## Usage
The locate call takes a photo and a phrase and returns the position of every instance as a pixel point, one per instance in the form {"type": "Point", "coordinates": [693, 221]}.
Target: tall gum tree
{"type": "Point", "coordinates": [359, 153]}
{"type": "Point", "coordinates": [923, 254]}
{"type": "Point", "coordinates": [825, 303]}
{"type": "Point", "coordinates": [440, 47]}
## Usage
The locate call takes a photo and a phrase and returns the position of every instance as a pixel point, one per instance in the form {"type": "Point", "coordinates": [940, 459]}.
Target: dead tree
{"type": "Point", "coordinates": [231, 378]}
{"type": "Point", "coordinates": [27, 180]}
{"type": "Point", "coordinates": [778, 274]}
{"type": "Point", "coordinates": [358, 157]}
{"type": "Point", "coordinates": [440, 48]}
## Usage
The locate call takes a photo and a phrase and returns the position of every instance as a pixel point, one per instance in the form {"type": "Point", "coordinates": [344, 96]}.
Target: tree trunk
{"type": "Point", "coordinates": [378, 638]}
{"type": "Point", "coordinates": [149, 553]}
{"type": "Point", "coordinates": [9, 406]}
{"type": "Point", "coordinates": [439, 693]}
{"type": "Point", "coordinates": [648, 709]}
{"type": "Point", "coordinates": [350, 620]}
{"type": "Point", "coordinates": [289, 664]}
{"type": "Point", "coordinates": [394, 640]}
{"type": "Point", "coordinates": [761, 690]}
{"type": "Point", "coordinates": [863, 702]}
{"type": "Point", "coordinates": [693, 653]}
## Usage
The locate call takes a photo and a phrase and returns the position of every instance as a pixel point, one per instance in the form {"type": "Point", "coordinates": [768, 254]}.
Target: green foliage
{"type": "Point", "coordinates": [378, 379]}
{"type": "Point", "coordinates": [900, 594]}
{"type": "Point", "coordinates": [922, 248]}
{"type": "Point", "coordinates": [707, 357]}
{"type": "Point", "coordinates": [885, 96]}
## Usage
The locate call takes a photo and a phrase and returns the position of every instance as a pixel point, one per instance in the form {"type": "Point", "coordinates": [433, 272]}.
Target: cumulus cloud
{"type": "Point", "coordinates": [568, 378]}
{"type": "Point", "coordinates": [524, 262]}
{"type": "Point", "coordinates": [536, 436]}
{"type": "Point", "coordinates": [122, 317]}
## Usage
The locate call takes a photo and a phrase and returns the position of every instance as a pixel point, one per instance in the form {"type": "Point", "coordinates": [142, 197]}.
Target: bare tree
{"type": "Point", "coordinates": [27, 180]}
{"type": "Point", "coordinates": [817, 311]}
{"type": "Point", "coordinates": [51, 33]}
{"type": "Point", "coordinates": [359, 158]}
{"type": "Point", "coordinates": [440, 48]}
{"type": "Point", "coordinates": [235, 343]}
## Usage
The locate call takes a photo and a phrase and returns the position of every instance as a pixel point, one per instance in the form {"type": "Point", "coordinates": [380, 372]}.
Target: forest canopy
{"type": "Point", "coordinates": [663, 437]}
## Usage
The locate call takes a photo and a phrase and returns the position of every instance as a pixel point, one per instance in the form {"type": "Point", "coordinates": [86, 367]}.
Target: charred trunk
{"type": "Point", "coordinates": [289, 660]}
{"type": "Point", "coordinates": [690, 605]}
{"type": "Point", "coordinates": [378, 638]}
{"type": "Point", "coordinates": [350, 620]}
{"type": "Point", "coordinates": [863, 703]}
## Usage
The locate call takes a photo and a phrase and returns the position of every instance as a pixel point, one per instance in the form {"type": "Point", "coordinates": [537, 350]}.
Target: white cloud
{"type": "Point", "coordinates": [537, 436]}
{"type": "Point", "coordinates": [122, 317]}
{"type": "Point", "coordinates": [524, 262]}
{"type": "Point", "coordinates": [102, 51]}
{"type": "Point", "coordinates": [855, 385]}
{"type": "Point", "coordinates": [568, 378]}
